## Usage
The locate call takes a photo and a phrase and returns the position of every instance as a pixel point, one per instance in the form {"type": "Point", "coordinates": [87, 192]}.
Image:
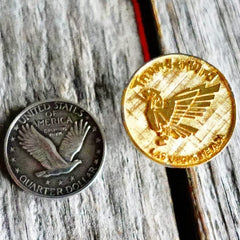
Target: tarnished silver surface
{"type": "Point", "coordinates": [54, 149]}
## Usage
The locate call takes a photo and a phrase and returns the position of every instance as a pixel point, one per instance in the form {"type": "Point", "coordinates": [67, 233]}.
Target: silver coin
{"type": "Point", "coordinates": [54, 149]}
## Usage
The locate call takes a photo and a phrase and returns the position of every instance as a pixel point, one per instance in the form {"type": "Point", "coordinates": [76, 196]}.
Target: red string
{"type": "Point", "coordinates": [141, 30]}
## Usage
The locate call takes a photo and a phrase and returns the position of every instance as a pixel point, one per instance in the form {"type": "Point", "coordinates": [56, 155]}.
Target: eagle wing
{"type": "Point", "coordinates": [73, 141]}
{"type": "Point", "coordinates": [190, 103]}
{"type": "Point", "coordinates": [40, 147]}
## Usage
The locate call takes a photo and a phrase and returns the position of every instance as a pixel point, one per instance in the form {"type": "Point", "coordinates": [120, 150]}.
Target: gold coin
{"type": "Point", "coordinates": [179, 110]}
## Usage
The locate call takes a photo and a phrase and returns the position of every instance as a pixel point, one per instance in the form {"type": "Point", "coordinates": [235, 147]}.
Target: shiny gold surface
{"type": "Point", "coordinates": [179, 110]}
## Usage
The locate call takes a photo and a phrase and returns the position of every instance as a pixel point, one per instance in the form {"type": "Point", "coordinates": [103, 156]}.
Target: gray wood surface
{"type": "Point", "coordinates": [210, 29]}
{"type": "Point", "coordinates": [84, 51]}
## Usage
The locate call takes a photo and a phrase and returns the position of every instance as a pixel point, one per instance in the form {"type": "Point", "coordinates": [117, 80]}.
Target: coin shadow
{"type": "Point", "coordinates": [3, 132]}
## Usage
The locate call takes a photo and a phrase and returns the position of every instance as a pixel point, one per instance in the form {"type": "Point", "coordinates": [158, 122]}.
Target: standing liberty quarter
{"type": "Point", "coordinates": [54, 149]}
{"type": "Point", "coordinates": [179, 110]}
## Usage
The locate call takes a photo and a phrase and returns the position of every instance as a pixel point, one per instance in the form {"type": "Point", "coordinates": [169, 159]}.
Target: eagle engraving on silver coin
{"type": "Point", "coordinates": [43, 149]}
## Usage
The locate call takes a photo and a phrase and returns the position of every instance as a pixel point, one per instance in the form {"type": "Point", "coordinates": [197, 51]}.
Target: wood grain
{"type": "Point", "coordinates": [84, 51]}
{"type": "Point", "coordinates": [209, 29]}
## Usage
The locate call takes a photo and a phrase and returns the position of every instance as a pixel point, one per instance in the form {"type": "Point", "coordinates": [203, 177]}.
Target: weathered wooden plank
{"type": "Point", "coordinates": [84, 51]}
{"type": "Point", "coordinates": [209, 29]}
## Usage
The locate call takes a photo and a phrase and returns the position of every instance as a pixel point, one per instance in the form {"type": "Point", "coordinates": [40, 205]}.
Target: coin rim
{"type": "Point", "coordinates": [233, 117]}
{"type": "Point", "coordinates": [13, 176]}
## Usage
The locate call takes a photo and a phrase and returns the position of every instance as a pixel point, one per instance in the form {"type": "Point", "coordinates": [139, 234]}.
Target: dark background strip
{"type": "Point", "coordinates": [183, 206]}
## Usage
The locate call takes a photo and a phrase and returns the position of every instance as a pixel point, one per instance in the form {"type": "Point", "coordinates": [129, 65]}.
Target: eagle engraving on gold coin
{"type": "Point", "coordinates": [179, 110]}
{"type": "Point", "coordinates": [165, 116]}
